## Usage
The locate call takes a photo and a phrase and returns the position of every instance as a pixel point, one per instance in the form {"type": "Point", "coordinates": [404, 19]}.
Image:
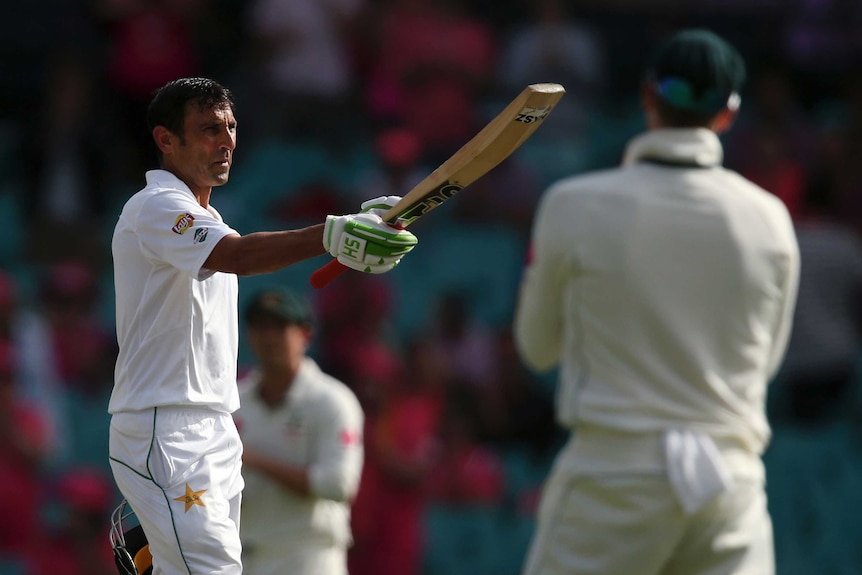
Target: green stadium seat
{"type": "Point", "coordinates": [483, 263]}
{"type": "Point", "coordinates": [461, 540]}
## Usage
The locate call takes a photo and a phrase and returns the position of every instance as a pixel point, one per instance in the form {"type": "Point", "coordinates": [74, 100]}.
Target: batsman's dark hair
{"type": "Point", "coordinates": [168, 106]}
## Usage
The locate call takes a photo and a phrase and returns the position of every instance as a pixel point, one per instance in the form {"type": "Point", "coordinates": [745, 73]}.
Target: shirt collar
{"type": "Point", "coordinates": [165, 179]}
{"type": "Point", "coordinates": [696, 147]}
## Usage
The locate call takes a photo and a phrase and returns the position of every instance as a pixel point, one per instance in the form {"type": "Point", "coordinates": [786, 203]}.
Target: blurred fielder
{"type": "Point", "coordinates": [664, 290]}
{"type": "Point", "coordinates": [302, 448]}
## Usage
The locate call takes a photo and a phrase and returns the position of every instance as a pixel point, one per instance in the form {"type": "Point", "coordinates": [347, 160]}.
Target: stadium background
{"type": "Point", "coordinates": [342, 100]}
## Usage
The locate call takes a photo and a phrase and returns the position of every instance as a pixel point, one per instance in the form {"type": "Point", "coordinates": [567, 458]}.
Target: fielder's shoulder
{"type": "Point", "coordinates": [569, 196]}
{"type": "Point", "coordinates": [769, 205]}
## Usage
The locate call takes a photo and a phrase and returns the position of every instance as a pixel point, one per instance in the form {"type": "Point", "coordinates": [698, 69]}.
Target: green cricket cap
{"type": "Point", "coordinates": [278, 304]}
{"type": "Point", "coordinates": [697, 70]}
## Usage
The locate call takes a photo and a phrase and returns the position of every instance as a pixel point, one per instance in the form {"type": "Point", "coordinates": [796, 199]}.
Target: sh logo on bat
{"type": "Point", "coordinates": [531, 115]}
{"type": "Point", "coordinates": [428, 203]}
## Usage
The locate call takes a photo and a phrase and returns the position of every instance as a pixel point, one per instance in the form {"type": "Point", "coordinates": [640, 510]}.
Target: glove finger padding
{"type": "Point", "coordinates": [368, 268]}
{"type": "Point", "coordinates": [364, 242]}
{"type": "Point", "coordinates": [380, 205]}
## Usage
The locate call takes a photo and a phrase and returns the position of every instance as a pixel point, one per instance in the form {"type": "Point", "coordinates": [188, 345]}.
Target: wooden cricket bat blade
{"type": "Point", "coordinates": [493, 144]}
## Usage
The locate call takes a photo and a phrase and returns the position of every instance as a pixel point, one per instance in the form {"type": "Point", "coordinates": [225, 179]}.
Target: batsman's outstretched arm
{"type": "Point", "coordinates": [265, 252]}
{"type": "Point", "coordinates": [359, 241]}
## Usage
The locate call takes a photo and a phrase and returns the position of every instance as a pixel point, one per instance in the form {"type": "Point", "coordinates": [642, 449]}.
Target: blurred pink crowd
{"type": "Point", "coordinates": [342, 100]}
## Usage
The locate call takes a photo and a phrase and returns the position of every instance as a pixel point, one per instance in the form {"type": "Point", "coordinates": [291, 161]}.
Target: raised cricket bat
{"type": "Point", "coordinates": [493, 144]}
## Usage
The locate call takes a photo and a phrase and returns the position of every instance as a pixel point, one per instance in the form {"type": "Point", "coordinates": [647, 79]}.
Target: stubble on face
{"type": "Point", "coordinates": [206, 148]}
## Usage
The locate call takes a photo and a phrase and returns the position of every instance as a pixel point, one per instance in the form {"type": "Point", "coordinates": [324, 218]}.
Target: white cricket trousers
{"type": "Point", "coordinates": [180, 470]}
{"type": "Point", "coordinates": [632, 523]}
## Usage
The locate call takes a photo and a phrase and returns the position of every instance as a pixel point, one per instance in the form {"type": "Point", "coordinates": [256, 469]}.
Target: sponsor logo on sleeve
{"type": "Point", "coordinates": [200, 235]}
{"type": "Point", "coordinates": [183, 223]}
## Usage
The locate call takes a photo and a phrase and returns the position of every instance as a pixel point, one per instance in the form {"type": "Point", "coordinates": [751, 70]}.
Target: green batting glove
{"type": "Point", "coordinates": [364, 242]}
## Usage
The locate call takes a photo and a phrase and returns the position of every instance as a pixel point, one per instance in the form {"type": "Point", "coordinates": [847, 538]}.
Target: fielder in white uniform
{"type": "Point", "coordinates": [174, 450]}
{"type": "Point", "coordinates": [664, 290]}
{"type": "Point", "coordinates": [302, 436]}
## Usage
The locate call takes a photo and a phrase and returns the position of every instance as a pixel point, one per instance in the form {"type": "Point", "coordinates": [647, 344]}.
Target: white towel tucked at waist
{"type": "Point", "coordinates": [697, 466]}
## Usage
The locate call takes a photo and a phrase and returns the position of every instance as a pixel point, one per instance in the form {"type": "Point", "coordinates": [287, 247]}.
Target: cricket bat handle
{"type": "Point", "coordinates": [325, 274]}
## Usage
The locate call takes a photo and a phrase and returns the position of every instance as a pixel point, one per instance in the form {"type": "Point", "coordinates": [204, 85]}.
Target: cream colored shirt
{"type": "Point", "coordinates": [319, 427]}
{"type": "Point", "coordinates": [664, 289]}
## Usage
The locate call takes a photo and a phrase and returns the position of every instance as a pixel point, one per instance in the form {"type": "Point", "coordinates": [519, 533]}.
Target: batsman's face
{"type": "Point", "coordinates": [203, 155]}
{"type": "Point", "coordinates": [277, 345]}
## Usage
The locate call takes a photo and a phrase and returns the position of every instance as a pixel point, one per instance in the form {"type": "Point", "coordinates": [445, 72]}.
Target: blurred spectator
{"type": "Point", "coordinates": [35, 383]}
{"type": "Point", "coordinates": [467, 472]}
{"type": "Point", "coordinates": [23, 448]}
{"type": "Point", "coordinates": [81, 346]}
{"type": "Point", "coordinates": [401, 449]}
{"type": "Point", "coordinates": [814, 403]}
{"type": "Point", "coordinates": [819, 378]}
{"type": "Point", "coordinates": [219, 35]}
{"type": "Point", "coordinates": [771, 142]}
{"type": "Point", "coordinates": [65, 352]}
{"type": "Point", "coordinates": [66, 174]}
{"type": "Point", "coordinates": [307, 204]}
{"type": "Point", "coordinates": [148, 43]}
{"type": "Point", "coordinates": [374, 382]}
{"type": "Point", "coordinates": [466, 346]}
{"type": "Point", "coordinates": [518, 412]}
{"type": "Point", "coordinates": [430, 65]}
{"type": "Point", "coordinates": [354, 320]}
{"type": "Point", "coordinates": [32, 30]}
{"type": "Point", "coordinates": [77, 544]}
{"type": "Point", "coordinates": [8, 306]}
{"type": "Point", "coordinates": [398, 166]}
{"type": "Point", "coordinates": [836, 171]}
{"type": "Point", "coordinates": [772, 166]}
{"type": "Point", "coordinates": [822, 35]}
{"type": "Point", "coordinates": [302, 72]}
{"type": "Point", "coordinates": [556, 47]}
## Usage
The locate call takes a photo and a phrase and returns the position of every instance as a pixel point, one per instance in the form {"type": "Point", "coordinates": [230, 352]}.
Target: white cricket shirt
{"type": "Point", "coordinates": [664, 289]}
{"type": "Point", "coordinates": [176, 322]}
{"type": "Point", "coordinates": [319, 426]}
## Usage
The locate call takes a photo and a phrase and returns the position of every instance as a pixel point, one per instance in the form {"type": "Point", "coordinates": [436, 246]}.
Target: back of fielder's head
{"type": "Point", "coordinates": [695, 74]}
